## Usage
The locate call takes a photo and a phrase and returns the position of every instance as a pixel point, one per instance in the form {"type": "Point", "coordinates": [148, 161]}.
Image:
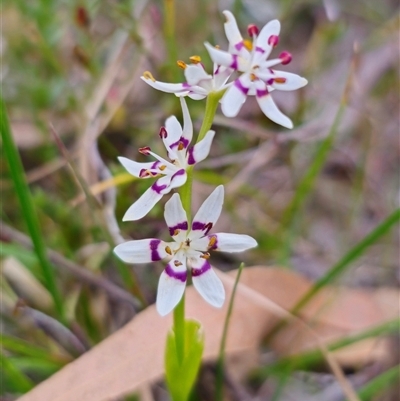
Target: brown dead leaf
{"type": "Point", "coordinates": [133, 356]}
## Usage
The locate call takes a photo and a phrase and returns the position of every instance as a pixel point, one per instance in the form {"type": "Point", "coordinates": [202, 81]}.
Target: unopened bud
{"type": "Point", "coordinates": [273, 40]}
{"type": "Point", "coordinates": [285, 57]}
{"type": "Point", "coordinates": [252, 30]}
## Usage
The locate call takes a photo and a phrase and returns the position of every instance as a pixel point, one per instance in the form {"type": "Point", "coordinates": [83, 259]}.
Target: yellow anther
{"type": "Point", "coordinates": [176, 232]}
{"type": "Point", "coordinates": [205, 255]}
{"type": "Point", "coordinates": [212, 241]}
{"type": "Point", "coordinates": [248, 44]}
{"type": "Point", "coordinates": [253, 77]}
{"type": "Point", "coordinates": [162, 167]}
{"type": "Point", "coordinates": [217, 46]}
{"type": "Point", "coordinates": [181, 64]}
{"type": "Point", "coordinates": [168, 250]}
{"type": "Point", "coordinates": [181, 146]}
{"type": "Point", "coordinates": [195, 59]}
{"type": "Point", "coordinates": [280, 80]}
{"type": "Point", "coordinates": [148, 75]}
{"type": "Point", "coordinates": [177, 263]}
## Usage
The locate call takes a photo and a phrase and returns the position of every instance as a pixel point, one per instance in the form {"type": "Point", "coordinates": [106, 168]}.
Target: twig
{"type": "Point", "coordinates": [80, 272]}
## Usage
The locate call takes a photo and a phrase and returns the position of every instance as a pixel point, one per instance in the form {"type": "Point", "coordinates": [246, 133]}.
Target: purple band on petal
{"type": "Point", "coordinates": [239, 46]}
{"type": "Point", "coordinates": [191, 160]}
{"type": "Point", "coordinates": [198, 225]}
{"type": "Point", "coordinates": [260, 49]}
{"type": "Point", "coordinates": [262, 92]}
{"type": "Point", "coordinates": [179, 226]}
{"type": "Point", "coordinates": [186, 85]}
{"type": "Point", "coordinates": [234, 64]}
{"type": "Point", "coordinates": [181, 276]}
{"type": "Point", "coordinates": [158, 188]}
{"type": "Point", "coordinates": [240, 86]}
{"type": "Point", "coordinates": [217, 70]}
{"type": "Point", "coordinates": [184, 141]}
{"type": "Point", "coordinates": [179, 172]}
{"type": "Point", "coordinates": [203, 269]}
{"type": "Point", "coordinates": [154, 243]}
{"type": "Point", "coordinates": [155, 164]}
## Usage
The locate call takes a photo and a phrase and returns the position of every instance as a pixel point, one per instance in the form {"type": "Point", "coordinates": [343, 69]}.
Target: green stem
{"type": "Point", "coordinates": [186, 198]}
{"type": "Point", "coordinates": [27, 209]}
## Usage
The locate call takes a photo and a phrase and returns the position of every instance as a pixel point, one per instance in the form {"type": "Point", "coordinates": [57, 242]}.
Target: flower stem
{"type": "Point", "coordinates": [179, 329]}
{"type": "Point", "coordinates": [211, 107]}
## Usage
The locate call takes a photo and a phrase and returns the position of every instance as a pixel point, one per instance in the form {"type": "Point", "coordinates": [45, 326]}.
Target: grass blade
{"type": "Point", "coordinates": [13, 377]}
{"type": "Point", "coordinates": [221, 356]}
{"type": "Point", "coordinates": [27, 209]}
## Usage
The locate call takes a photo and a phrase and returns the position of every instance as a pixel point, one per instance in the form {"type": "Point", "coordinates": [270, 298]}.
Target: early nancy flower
{"type": "Point", "coordinates": [257, 78]}
{"type": "Point", "coordinates": [189, 250]}
{"type": "Point", "coordinates": [198, 83]}
{"type": "Point", "coordinates": [173, 172]}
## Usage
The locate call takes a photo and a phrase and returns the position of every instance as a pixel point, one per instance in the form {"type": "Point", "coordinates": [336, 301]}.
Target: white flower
{"type": "Point", "coordinates": [258, 78]}
{"type": "Point", "coordinates": [198, 83]}
{"type": "Point", "coordinates": [189, 250]}
{"type": "Point", "coordinates": [173, 172]}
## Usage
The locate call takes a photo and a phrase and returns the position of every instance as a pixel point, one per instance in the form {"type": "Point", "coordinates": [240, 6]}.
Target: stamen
{"type": "Point", "coordinates": [212, 242]}
{"type": "Point", "coordinates": [177, 263]}
{"type": "Point", "coordinates": [273, 40]}
{"type": "Point", "coordinates": [168, 250]}
{"type": "Point", "coordinates": [143, 173]}
{"type": "Point", "coordinates": [181, 64]}
{"type": "Point", "coordinates": [248, 45]}
{"type": "Point", "coordinates": [280, 80]}
{"type": "Point", "coordinates": [162, 167]}
{"type": "Point", "coordinates": [181, 145]}
{"type": "Point", "coordinates": [205, 255]}
{"type": "Point", "coordinates": [253, 77]}
{"type": "Point", "coordinates": [252, 30]}
{"type": "Point", "coordinates": [176, 232]}
{"type": "Point", "coordinates": [163, 132]}
{"type": "Point", "coordinates": [195, 59]}
{"type": "Point", "coordinates": [145, 151]}
{"type": "Point", "coordinates": [285, 57]}
{"type": "Point", "coordinates": [149, 75]}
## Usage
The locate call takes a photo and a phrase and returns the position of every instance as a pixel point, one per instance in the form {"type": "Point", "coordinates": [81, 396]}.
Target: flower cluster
{"type": "Point", "coordinates": [248, 57]}
{"type": "Point", "coordinates": [192, 239]}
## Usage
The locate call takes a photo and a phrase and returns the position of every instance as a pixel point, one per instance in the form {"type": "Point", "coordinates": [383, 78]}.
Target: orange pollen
{"type": "Point", "coordinates": [205, 255]}
{"type": "Point", "coordinates": [212, 242]}
{"type": "Point", "coordinates": [248, 44]}
{"type": "Point", "coordinates": [162, 167]}
{"type": "Point", "coordinates": [195, 59]}
{"type": "Point", "coordinates": [181, 64]}
{"type": "Point", "coordinates": [280, 80]}
{"type": "Point", "coordinates": [180, 146]}
{"type": "Point", "coordinates": [253, 77]}
{"type": "Point", "coordinates": [148, 75]}
{"type": "Point", "coordinates": [217, 46]}
{"type": "Point", "coordinates": [177, 263]}
{"type": "Point", "coordinates": [176, 232]}
{"type": "Point", "coordinates": [168, 250]}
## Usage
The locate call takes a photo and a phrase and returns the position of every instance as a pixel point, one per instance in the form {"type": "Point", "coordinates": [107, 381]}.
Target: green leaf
{"type": "Point", "coordinates": [180, 377]}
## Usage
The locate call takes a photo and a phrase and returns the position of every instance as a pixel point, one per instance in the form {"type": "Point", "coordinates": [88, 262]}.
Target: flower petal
{"type": "Point", "coordinates": [226, 242]}
{"type": "Point", "coordinates": [174, 131]}
{"type": "Point", "coordinates": [164, 86]}
{"type": "Point", "coordinates": [270, 109]}
{"type": "Point", "coordinates": [141, 251]}
{"type": "Point", "coordinates": [231, 29]}
{"type": "Point", "coordinates": [273, 28]}
{"type": "Point", "coordinates": [175, 217]}
{"type": "Point", "coordinates": [226, 59]}
{"type": "Point", "coordinates": [187, 132]}
{"type": "Point", "coordinates": [208, 214]}
{"type": "Point", "coordinates": [171, 286]}
{"type": "Point", "coordinates": [221, 75]}
{"type": "Point", "coordinates": [135, 168]}
{"type": "Point", "coordinates": [207, 283]}
{"type": "Point", "coordinates": [143, 205]}
{"type": "Point", "coordinates": [235, 96]}
{"type": "Point", "coordinates": [177, 179]}
{"type": "Point", "coordinates": [292, 81]}
{"type": "Point", "coordinates": [194, 73]}
{"type": "Point", "coordinates": [200, 151]}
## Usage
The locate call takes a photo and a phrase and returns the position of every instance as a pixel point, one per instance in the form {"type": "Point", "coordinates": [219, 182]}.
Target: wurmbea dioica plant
{"type": "Point", "coordinates": [192, 238]}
